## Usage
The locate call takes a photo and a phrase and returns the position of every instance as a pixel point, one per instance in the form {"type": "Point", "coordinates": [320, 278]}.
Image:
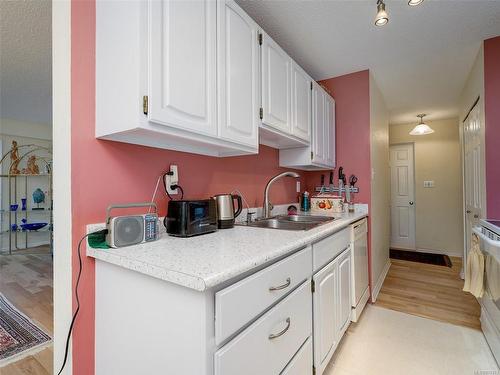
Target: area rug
{"type": "Point", "coordinates": [416, 256]}
{"type": "Point", "coordinates": [19, 336]}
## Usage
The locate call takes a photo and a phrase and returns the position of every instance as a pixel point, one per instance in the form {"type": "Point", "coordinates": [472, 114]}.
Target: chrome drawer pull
{"type": "Point", "coordinates": [279, 287]}
{"type": "Point", "coordinates": [281, 333]}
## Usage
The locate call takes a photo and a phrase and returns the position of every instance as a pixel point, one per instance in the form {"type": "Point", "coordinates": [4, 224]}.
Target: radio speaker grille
{"type": "Point", "coordinates": [129, 230]}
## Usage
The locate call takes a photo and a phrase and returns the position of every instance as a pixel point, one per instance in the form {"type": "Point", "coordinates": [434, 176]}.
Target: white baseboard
{"type": "Point", "coordinates": [380, 281]}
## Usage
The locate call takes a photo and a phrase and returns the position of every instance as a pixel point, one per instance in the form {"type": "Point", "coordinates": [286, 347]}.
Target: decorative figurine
{"type": "Point", "coordinates": [32, 167]}
{"type": "Point", "coordinates": [14, 159]}
{"type": "Point", "coordinates": [38, 197]}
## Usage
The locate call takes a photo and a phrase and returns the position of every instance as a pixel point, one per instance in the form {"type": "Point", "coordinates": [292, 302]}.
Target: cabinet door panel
{"type": "Point", "coordinates": [325, 315]}
{"type": "Point", "coordinates": [344, 292]}
{"type": "Point", "coordinates": [238, 67]}
{"type": "Point", "coordinates": [276, 73]}
{"type": "Point", "coordinates": [182, 68]}
{"type": "Point", "coordinates": [301, 103]}
{"type": "Point", "coordinates": [318, 124]}
{"type": "Point", "coordinates": [329, 131]}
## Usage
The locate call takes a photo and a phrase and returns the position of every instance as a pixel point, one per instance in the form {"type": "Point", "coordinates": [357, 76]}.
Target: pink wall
{"type": "Point", "coordinates": [352, 110]}
{"type": "Point", "coordinates": [107, 172]}
{"type": "Point", "coordinates": [492, 118]}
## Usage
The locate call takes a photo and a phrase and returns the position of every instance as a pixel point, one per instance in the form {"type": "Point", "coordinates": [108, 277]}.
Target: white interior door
{"type": "Point", "coordinates": [473, 172]}
{"type": "Point", "coordinates": [402, 196]}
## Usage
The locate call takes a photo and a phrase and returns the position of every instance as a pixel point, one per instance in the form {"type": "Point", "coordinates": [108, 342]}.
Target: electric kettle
{"type": "Point", "coordinates": [225, 209]}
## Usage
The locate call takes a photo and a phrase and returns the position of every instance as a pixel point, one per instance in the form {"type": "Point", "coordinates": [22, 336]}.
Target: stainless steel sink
{"type": "Point", "coordinates": [293, 222]}
{"type": "Point", "coordinates": [305, 218]}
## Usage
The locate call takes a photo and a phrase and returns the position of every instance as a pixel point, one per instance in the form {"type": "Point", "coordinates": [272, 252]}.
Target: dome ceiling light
{"type": "Point", "coordinates": [414, 3]}
{"type": "Point", "coordinates": [421, 128]}
{"type": "Point", "coordinates": [382, 18]}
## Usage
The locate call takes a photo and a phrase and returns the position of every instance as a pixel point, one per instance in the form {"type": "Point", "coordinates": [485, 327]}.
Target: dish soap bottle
{"type": "Point", "coordinates": [305, 203]}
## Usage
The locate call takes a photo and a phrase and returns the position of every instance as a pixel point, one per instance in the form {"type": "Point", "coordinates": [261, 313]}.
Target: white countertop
{"type": "Point", "coordinates": [205, 261]}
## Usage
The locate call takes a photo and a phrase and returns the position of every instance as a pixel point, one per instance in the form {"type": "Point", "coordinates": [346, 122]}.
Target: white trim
{"type": "Point", "coordinates": [61, 135]}
{"type": "Point", "coordinates": [380, 281]}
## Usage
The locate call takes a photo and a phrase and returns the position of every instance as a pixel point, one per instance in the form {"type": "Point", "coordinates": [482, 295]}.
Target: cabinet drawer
{"type": "Point", "coordinates": [255, 351]}
{"type": "Point", "coordinates": [241, 302]}
{"type": "Point", "coordinates": [302, 363]}
{"type": "Point", "coordinates": [329, 247]}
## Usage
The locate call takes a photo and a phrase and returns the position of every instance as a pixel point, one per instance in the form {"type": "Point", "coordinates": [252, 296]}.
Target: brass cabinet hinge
{"type": "Point", "coordinates": [311, 85]}
{"type": "Point", "coordinates": [312, 155]}
{"type": "Point", "coordinates": [145, 106]}
{"type": "Point", "coordinates": [259, 37]}
{"type": "Point", "coordinates": [314, 370]}
{"type": "Point", "coordinates": [313, 286]}
{"type": "Point", "coordinates": [261, 113]}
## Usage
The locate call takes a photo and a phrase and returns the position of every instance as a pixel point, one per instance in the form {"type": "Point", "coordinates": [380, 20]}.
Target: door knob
{"type": "Point", "coordinates": [411, 203]}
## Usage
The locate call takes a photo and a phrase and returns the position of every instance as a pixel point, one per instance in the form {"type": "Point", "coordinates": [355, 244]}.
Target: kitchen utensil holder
{"type": "Point", "coordinates": [335, 189]}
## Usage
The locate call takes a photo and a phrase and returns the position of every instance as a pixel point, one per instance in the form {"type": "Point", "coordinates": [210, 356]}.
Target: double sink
{"type": "Point", "coordinates": [291, 222]}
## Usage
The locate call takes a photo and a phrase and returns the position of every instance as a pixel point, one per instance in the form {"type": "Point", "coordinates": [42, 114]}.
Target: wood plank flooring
{"type": "Point", "coordinates": [26, 281]}
{"type": "Point", "coordinates": [429, 291]}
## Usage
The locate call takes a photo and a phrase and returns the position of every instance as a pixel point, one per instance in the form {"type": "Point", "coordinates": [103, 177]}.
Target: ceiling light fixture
{"type": "Point", "coordinates": [382, 17]}
{"type": "Point", "coordinates": [414, 3]}
{"type": "Point", "coordinates": [421, 128]}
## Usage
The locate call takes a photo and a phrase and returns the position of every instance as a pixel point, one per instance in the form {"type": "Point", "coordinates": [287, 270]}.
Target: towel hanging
{"type": "Point", "coordinates": [474, 270]}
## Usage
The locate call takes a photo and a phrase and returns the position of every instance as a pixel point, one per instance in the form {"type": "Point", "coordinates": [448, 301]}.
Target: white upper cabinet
{"type": "Point", "coordinates": [183, 70]}
{"type": "Point", "coordinates": [319, 121]}
{"type": "Point", "coordinates": [238, 74]}
{"type": "Point", "coordinates": [276, 86]}
{"type": "Point", "coordinates": [320, 154]}
{"type": "Point", "coordinates": [301, 103]}
{"type": "Point", "coordinates": [286, 98]}
{"type": "Point", "coordinates": [181, 75]}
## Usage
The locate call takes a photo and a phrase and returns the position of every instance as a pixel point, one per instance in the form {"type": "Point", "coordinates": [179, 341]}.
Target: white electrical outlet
{"type": "Point", "coordinates": [298, 187]}
{"type": "Point", "coordinates": [428, 184]}
{"type": "Point", "coordinates": [172, 180]}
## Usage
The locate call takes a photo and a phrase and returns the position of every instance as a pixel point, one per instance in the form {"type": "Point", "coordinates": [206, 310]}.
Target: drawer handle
{"type": "Point", "coordinates": [283, 286]}
{"type": "Point", "coordinates": [273, 336]}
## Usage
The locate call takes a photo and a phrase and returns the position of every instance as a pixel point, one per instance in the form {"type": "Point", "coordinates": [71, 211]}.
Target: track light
{"type": "Point", "coordinates": [382, 17]}
{"type": "Point", "coordinates": [421, 128]}
{"type": "Point", "coordinates": [414, 3]}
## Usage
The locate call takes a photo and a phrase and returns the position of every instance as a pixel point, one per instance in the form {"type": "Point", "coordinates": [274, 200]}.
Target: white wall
{"type": "Point", "coordinates": [380, 188]}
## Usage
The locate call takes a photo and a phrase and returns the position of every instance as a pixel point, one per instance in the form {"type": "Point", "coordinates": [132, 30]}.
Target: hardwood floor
{"type": "Point", "coordinates": [26, 281]}
{"type": "Point", "coordinates": [429, 291]}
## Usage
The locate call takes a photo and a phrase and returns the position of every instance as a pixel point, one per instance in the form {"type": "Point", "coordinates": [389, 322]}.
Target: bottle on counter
{"type": "Point", "coordinates": [305, 202]}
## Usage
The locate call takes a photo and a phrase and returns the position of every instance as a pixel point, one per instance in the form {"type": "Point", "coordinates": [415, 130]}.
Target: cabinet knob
{"type": "Point", "coordinates": [411, 203]}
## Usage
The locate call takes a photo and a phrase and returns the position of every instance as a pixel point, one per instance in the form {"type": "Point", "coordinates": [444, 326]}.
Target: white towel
{"type": "Point", "coordinates": [474, 270]}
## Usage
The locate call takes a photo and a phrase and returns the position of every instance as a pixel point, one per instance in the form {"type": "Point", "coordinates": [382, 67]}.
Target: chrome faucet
{"type": "Point", "coordinates": [267, 207]}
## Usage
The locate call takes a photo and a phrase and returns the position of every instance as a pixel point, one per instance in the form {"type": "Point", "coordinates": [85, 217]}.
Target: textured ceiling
{"type": "Point", "coordinates": [26, 60]}
{"type": "Point", "coordinates": [420, 60]}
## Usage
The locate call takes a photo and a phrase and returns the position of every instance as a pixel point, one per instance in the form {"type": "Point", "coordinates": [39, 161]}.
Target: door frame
{"type": "Point", "coordinates": [412, 144]}
{"type": "Point", "coordinates": [61, 155]}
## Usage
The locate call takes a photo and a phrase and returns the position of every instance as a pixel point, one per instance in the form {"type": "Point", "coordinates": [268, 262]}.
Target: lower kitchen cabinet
{"type": "Point", "coordinates": [331, 307]}
{"type": "Point", "coordinates": [286, 318]}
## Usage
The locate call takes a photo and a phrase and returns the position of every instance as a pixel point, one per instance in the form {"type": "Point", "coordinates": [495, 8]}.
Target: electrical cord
{"type": "Point", "coordinates": [75, 314]}
{"type": "Point", "coordinates": [174, 186]}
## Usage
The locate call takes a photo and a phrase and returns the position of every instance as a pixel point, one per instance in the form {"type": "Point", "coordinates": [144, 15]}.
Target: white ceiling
{"type": "Point", "coordinates": [420, 60]}
{"type": "Point", "coordinates": [26, 60]}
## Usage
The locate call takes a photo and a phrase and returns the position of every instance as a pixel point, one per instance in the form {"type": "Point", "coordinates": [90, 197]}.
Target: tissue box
{"type": "Point", "coordinates": [326, 203]}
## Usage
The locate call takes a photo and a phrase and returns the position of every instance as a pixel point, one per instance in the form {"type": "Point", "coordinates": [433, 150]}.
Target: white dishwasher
{"type": "Point", "coordinates": [359, 263]}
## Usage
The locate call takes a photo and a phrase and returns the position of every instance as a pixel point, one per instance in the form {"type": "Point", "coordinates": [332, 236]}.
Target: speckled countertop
{"type": "Point", "coordinates": [203, 262]}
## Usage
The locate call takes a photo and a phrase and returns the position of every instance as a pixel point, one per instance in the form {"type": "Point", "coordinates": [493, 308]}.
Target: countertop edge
{"type": "Point", "coordinates": [202, 284]}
